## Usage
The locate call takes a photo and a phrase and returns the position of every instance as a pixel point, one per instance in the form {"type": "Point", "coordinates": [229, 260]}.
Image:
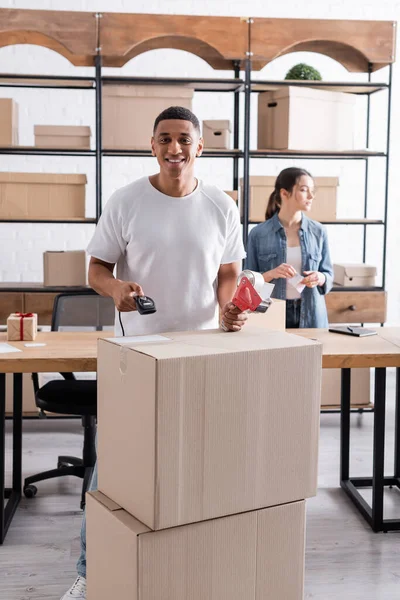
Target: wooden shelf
{"type": "Point", "coordinates": [343, 154]}
{"type": "Point", "coordinates": [357, 45]}
{"type": "Point", "coordinates": [349, 290]}
{"type": "Point", "coordinates": [332, 86]}
{"type": "Point", "coordinates": [354, 222]}
{"type": "Point", "coordinates": [353, 407]}
{"type": "Point", "coordinates": [73, 220]}
{"type": "Point", "coordinates": [40, 81]}
{"type": "Point", "coordinates": [342, 222]}
{"type": "Point", "coordinates": [214, 153]}
{"type": "Point", "coordinates": [198, 85]}
{"type": "Point", "coordinates": [33, 150]}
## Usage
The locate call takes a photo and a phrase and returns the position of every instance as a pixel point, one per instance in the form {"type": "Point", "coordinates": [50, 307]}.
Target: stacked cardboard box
{"type": "Point", "coordinates": [61, 268]}
{"type": "Point", "coordinates": [35, 196]}
{"type": "Point", "coordinates": [284, 117]}
{"type": "Point", "coordinates": [129, 112]}
{"type": "Point", "coordinates": [208, 445]}
{"type": "Point", "coordinates": [8, 122]}
{"type": "Point", "coordinates": [323, 207]}
{"type": "Point", "coordinates": [62, 136]}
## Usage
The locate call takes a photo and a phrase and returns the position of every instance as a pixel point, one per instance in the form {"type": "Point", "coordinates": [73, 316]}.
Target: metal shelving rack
{"type": "Point", "coordinates": [236, 85]}
{"type": "Point", "coordinates": [366, 89]}
{"type": "Point", "coordinates": [233, 85]}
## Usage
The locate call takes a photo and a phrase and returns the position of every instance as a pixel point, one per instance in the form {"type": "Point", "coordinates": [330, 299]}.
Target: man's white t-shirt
{"type": "Point", "coordinates": [173, 248]}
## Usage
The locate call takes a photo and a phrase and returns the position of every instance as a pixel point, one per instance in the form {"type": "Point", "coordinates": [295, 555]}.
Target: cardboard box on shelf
{"type": "Point", "coordinates": [354, 275]}
{"type": "Point", "coordinates": [22, 327]}
{"type": "Point", "coordinates": [35, 196]}
{"type": "Point", "coordinates": [129, 112]}
{"type": "Point", "coordinates": [360, 388]}
{"type": "Point", "coordinates": [217, 134]}
{"type": "Point", "coordinates": [215, 419]}
{"type": "Point", "coordinates": [64, 267]}
{"type": "Point", "coordinates": [285, 115]}
{"type": "Point", "coordinates": [8, 122]}
{"type": "Point", "coordinates": [62, 136]}
{"type": "Point", "coordinates": [234, 194]}
{"type": "Point", "coordinates": [240, 557]}
{"type": "Point", "coordinates": [262, 186]}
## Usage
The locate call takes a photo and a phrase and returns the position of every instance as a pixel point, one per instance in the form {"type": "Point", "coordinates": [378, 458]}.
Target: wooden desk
{"type": "Point", "coordinates": [64, 352]}
{"type": "Point", "coordinates": [378, 352]}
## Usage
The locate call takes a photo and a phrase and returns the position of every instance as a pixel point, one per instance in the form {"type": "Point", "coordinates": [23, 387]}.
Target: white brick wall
{"type": "Point", "coordinates": [22, 244]}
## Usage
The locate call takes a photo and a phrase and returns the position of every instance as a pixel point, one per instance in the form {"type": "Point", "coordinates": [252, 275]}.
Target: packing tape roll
{"type": "Point", "coordinates": [256, 279]}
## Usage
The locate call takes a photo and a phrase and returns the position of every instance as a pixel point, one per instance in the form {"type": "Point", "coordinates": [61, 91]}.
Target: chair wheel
{"type": "Point", "coordinates": [30, 491]}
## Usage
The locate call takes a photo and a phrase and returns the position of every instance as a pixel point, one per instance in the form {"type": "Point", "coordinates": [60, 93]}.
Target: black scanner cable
{"type": "Point", "coordinates": [145, 306]}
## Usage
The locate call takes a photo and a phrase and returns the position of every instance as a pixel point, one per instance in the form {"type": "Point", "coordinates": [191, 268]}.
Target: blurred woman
{"type": "Point", "coordinates": [291, 251]}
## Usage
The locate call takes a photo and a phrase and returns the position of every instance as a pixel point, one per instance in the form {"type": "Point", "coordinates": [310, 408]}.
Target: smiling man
{"type": "Point", "coordinates": [173, 238]}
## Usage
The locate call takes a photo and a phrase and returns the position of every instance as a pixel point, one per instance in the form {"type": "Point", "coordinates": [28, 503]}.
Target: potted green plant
{"type": "Point", "coordinates": [303, 71]}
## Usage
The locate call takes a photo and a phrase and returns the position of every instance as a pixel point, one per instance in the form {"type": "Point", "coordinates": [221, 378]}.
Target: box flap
{"type": "Point", "coordinates": [357, 270]}
{"type": "Point", "coordinates": [216, 341]}
{"type": "Point", "coordinates": [217, 124]}
{"type": "Point", "coordinates": [55, 178]}
{"type": "Point", "coordinates": [134, 525]}
{"type": "Point", "coordinates": [148, 91]}
{"type": "Point", "coordinates": [64, 252]}
{"type": "Point", "coordinates": [105, 501]}
{"type": "Point", "coordinates": [67, 130]}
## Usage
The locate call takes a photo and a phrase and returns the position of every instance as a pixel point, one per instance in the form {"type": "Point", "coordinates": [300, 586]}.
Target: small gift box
{"type": "Point", "coordinates": [21, 327]}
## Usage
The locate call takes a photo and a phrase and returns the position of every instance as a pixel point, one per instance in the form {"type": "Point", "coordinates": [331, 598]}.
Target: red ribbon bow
{"type": "Point", "coordinates": [21, 323]}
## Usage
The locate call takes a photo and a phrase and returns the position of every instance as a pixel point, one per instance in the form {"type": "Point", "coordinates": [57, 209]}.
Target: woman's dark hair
{"type": "Point", "coordinates": [286, 180]}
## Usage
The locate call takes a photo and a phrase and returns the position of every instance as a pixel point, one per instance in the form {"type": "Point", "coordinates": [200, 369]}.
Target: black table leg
{"type": "Point", "coordinates": [345, 425]}
{"type": "Point", "coordinates": [2, 454]}
{"type": "Point", "coordinates": [378, 449]}
{"type": "Point", "coordinates": [13, 494]}
{"type": "Point", "coordinates": [397, 428]}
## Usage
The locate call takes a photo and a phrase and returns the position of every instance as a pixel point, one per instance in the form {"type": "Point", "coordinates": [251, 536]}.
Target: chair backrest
{"type": "Point", "coordinates": [82, 311]}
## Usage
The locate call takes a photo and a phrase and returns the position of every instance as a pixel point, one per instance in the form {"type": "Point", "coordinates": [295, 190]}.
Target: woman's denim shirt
{"type": "Point", "coordinates": [266, 249]}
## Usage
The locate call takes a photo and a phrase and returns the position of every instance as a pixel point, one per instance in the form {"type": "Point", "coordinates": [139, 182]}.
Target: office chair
{"type": "Point", "coordinates": [71, 396]}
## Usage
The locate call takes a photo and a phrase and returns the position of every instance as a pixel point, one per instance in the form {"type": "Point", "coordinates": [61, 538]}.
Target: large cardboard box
{"type": "Point", "coordinates": [35, 196]}
{"type": "Point", "coordinates": [252, 556]}
{"type": "Point", "coordinates": [217, 134]}
{"type": "Point", "coordinates": [62, 136]}
{"type": "Point", "coordinates": [274, 318]}
{"type": "Point", "coordinates": [64, 267]}
{"type": "Point", "coordinates": [207, 424]}
{"type": "Point", "coordinates": [129, 112]}
{"type": "Point", "coordinates": [261, 187]}
{"type": "Point", "coordinates": [301, 118]}
{"type": "Point", "coordinates": [354, 275]}
{"type": "Point", "coordinates": [8, 122]}
{"type": "Point", "coordinates": [360, 387]}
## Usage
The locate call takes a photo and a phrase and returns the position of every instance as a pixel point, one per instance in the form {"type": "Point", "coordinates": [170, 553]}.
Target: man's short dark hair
{"type": "Point", "coordinates": [180, 113]}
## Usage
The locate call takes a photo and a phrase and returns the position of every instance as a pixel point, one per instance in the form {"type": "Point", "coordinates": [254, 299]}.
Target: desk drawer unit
{"type": "Point", "coordinates": [356, 307]}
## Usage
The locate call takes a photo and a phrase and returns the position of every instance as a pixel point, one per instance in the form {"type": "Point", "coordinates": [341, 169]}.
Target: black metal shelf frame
{"type": "Point", "coordinates": [235, 85]}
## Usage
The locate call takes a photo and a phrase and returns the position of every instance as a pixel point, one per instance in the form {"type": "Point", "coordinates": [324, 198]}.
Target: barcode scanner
{"type": "Point", "coordinates": [145, 305]}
